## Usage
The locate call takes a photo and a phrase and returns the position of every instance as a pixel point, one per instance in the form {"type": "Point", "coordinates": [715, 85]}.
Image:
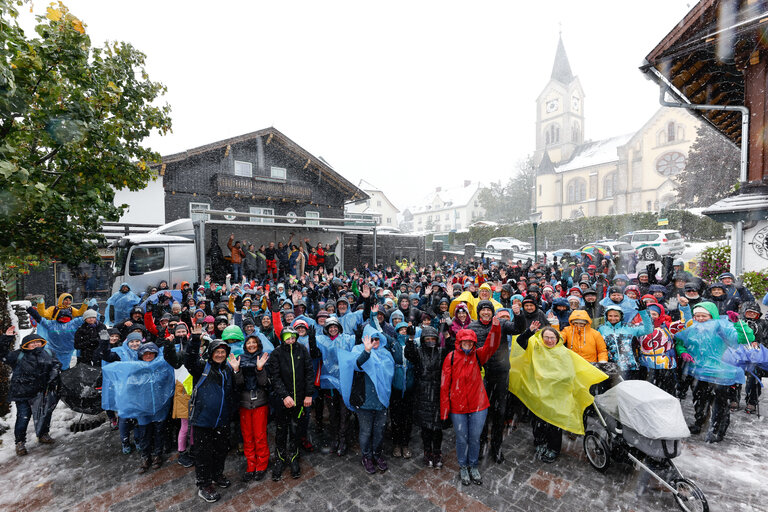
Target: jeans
{"type": "Point", "coordinates": [150, 438]}
{"type": "Point", "coordinates": [468, 428]}
{"type": "Point", "coordinates": [372, 423]}
{"type": "Point", "coordinates": [24, 415]}
{"type": "Point", "coordinates": [237, 273]}
{"type": "Point", "coordinates": [125, 425]}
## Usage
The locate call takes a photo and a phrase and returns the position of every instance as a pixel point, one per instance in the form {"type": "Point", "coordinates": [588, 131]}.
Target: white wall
{"type": "Point", "coordinates": [145, 206]}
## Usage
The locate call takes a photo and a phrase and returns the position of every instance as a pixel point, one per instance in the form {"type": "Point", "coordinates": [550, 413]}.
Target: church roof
{"type": "Point", "coordinates": [595, 153]}
{"type": "Point", "coordinates": [561, 70]}
{"type": "Point", "coordinates": [546, 166]}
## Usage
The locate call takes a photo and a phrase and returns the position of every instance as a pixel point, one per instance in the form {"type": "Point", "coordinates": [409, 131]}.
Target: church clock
{"type": "Point", "coordinates": [553, 105]}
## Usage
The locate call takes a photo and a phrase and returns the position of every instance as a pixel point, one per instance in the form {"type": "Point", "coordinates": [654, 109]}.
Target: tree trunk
{"type": "Point", "coordinates": [5, 372]}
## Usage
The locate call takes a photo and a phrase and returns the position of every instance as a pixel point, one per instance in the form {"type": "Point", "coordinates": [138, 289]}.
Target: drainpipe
{"type": "Point", "coordinates": [737, 234]}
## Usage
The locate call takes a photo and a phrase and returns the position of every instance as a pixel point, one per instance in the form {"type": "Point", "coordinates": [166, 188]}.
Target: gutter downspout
{"type": "Point", "coordinates": [737, 233]}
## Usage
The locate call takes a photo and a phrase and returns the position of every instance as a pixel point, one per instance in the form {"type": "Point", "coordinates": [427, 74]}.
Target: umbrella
{"type": "Point", "coordinates": [592, 249]}
{"type": "Point", "coordinates": [175, 296]}
{"type": "Point", "coordinates": [43, 404]}
{"type": "Point", "coordinates": [81, 388]}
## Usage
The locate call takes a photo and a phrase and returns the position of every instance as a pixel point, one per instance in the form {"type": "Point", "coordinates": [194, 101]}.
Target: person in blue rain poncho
{"type": "Point", "coordinates": [618, 338]}
{"type": "Point", "coordinates": [616, 297]}
{"type": "Point", "coordinates": [128, 351]}
{"type": "Point", "coordinates": [366, 374]}
{"type": "Point", "coordinates": [702, 345]}
{"type": "Point", "coordinates": [119, 305]}
{"type": "Point", "coordinates": [143, 390]}
{"type": "Point", "coordinates": [60, 333]}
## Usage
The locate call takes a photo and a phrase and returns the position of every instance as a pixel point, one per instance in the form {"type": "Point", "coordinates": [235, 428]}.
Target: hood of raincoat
{"type": "Point", "coordinates": [217, 344]}
{"type": "Point", "coordinates": [709, 307]}
{"type": "Point", "coordinates": [580, 314]}
{"type": "Point", "coordinates": [613, 307]}
{"type": "Point", "coordinates": [30, 338]}
{"type": "Point", "coordinates": [465, 335]}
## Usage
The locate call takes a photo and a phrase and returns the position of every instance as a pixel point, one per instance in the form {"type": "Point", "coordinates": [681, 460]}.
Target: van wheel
{"type": "Point", "coordinates": [490, 248]}
{"type": "Point", "coordinates": [649, 254]}
{"type": "Point", "coordinates": [514, 248]}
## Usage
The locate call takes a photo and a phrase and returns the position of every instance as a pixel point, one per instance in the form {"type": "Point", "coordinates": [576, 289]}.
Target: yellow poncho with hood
{"type": "Point", "coordinates": [472, 301]}
{"type": "Point", "coordinates": [52, 312]}
{"type": "Point", "coordinates": [553, 382]}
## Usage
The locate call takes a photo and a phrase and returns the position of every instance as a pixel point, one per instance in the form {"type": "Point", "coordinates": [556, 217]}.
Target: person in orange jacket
{"type": "Point", "coordinates": [580, 337]}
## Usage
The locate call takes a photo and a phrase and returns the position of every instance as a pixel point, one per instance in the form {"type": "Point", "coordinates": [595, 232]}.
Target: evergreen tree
{"type": "Point", "coordinates": [711, 172]}
{"type": "Point", "coordinates": [510, 202]}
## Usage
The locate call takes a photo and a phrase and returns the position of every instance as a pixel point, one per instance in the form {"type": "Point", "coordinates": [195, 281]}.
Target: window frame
{"type": "Point", "coordinates": [260, 210]}
{"type": "Point", "coordinates": [147, 249]}
{"type": "Point", "coordinates": [272, 170]}
{"type": "Point", "coordinates": [250, 169]}
{"type": "Point", "coordinates": [313, 214]}
{"type": "Point", "coordinates": [199, 215]}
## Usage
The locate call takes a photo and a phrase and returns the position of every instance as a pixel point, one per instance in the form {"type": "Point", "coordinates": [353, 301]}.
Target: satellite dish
{"type": "Point", "coordinates": [230, 217]}
{"type": "Point", "coordinates": [292, 217]}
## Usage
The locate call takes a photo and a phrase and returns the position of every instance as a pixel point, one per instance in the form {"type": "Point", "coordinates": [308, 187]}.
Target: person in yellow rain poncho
{"type": "Point", "coordinates": [63, 308]}
{"type": "Point", "coordinates": [553, 382]}
{"type": "Point", "coordinates": [485, 292]}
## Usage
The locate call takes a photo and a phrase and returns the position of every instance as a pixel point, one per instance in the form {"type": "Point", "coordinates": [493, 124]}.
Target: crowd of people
{"type": "Point", "coordinates": [479, 346]}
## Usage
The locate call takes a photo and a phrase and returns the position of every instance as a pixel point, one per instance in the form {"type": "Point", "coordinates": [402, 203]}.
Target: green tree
{"type": "Point", "coordinates": [72, 120]}
{"type": "Point", "coordinates": [712, 160]}
{"type": "Point", "coordinates": [510, 202]}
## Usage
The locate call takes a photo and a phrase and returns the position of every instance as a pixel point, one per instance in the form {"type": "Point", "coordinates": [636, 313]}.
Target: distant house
{"type": "Point", "coordinates": [377, 208]}
{"type": "Point", "coordinates": [262, 172]}
{"type": "Point", "coordinates": [450, 209]}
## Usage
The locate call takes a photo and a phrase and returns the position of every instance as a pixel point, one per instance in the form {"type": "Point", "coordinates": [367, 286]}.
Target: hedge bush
{"type": "Point", "coordinates": [576, 232]}
{"type": "Point", "coordinates": [756, 281]}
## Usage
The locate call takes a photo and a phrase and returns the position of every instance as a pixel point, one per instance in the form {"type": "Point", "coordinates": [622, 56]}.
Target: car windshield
{"type": "Point", "coordinates": [674, 235]}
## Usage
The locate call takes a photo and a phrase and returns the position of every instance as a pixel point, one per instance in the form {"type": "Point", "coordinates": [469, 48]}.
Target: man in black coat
{"type": "Point", "coordinates": [88, 339]}
{"type": "Point", "coordinates": [35, 374]}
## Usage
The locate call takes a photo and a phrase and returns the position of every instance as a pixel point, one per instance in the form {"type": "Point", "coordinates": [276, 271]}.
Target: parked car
{"type": "Point", "coordinates": [652, 244]}
{"type": "Point", "coordinates": [617, 248]}
{"type": "Point", "coordinates": [507, 243]}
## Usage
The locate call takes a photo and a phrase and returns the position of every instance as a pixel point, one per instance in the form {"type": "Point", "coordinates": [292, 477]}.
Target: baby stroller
{"type": "Point", "coordinates": [638, 422]}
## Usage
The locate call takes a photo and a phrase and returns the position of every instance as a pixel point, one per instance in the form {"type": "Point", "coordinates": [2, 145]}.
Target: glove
{"type": "Point", "coordinates": [732, 316]}
{"type": "Point", "coordinates": [688, 358]}
{"type": "Point", "coordinates": [410, 331]}
{"type": "Point", "coordinates": [359, 334]}
{"type": "Point", "coordinates": [311, 333]}
{"type": "Point", "coordinates": [641, 305]}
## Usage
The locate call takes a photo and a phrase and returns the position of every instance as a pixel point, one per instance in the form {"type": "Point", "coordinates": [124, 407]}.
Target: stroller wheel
{"type": "Point", "coordinates": [596, 451]}
{"type": "Point", "coordinates": [689, 497]}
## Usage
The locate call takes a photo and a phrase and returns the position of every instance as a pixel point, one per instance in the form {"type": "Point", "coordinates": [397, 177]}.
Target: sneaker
{"type": "Point", "coordinates": [127, 448]}
{"type": "Point", "coordinates": [306, 445]}
{"type": "Point", "coordinates": [295, 468]}
{"type": "Point", "coordinates": [277, 470]}
{"type": "Point", "coordinates": [146, 462]}
{"type": "Point", "coordinates": [397, 451]}
{"type": "Point", "coordinates": [548, 456]}
{"type": "Point", "coordinates": [540, 448]}
{"type": "Point", "coordinates": [406, 452]}
{"type": "Point", "coordinates": [259, 475]}
{"type": "Point", "coordinates": [750, 409]}
{"type": "Point", "coordinates": [248, 476]}
{"type": "Point", "coordinates": [437, 461]}
{"type": "Point", "coordinates": [368, 465]}
{"type": "Point", "coordinates": [464, 475]}
{"type": "Point", "coordinates": [209, 494]}
{"type": "Point", "coordinates": [734, 406]}
{"type": "Point", "coordinates": [157, 461]}
{"type": "Point", "coordinates": [713, 438]}
{"type": "Point", "coordinates": [222, 481]}
{"type": "Point", "coordinates": [185, 459]}
{"type": "Point", "coordinates": [428, 459]}
{"type": "Point", "coordinates": [381, 464]}
{"type": "Point", "coordinates": [21, 449]}
{"type": "Point", "coordinates": [474, 475]}
{"type": "Point", "coordinates": [45, 439]}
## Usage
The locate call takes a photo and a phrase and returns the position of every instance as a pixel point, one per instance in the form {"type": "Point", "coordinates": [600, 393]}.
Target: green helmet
{"type": "Point", "coordinates": [232, 333]}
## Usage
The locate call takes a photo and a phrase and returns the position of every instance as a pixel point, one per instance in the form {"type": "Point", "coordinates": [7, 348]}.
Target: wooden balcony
{"type": "Point", "coordinates": [229, 184]}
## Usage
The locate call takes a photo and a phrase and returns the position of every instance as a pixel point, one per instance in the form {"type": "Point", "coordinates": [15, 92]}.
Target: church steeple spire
{"type": "Point", "coordinates": [561, 70]}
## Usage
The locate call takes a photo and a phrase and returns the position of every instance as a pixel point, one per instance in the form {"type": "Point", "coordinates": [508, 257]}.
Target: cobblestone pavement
{"type": "Point", "coordinates": [87, 472]}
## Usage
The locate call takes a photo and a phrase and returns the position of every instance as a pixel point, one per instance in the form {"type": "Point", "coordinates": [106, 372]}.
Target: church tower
{"type": "Point", "coordinates": [559, 112]}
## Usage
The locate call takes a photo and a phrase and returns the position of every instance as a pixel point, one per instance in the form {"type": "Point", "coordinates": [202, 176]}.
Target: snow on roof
{"type": "Point", "coordinates": [595, 153]}
{"type": "Point", "coordinates": [739, 203]}
{"type": "Point", "coordinates": [456, 197]}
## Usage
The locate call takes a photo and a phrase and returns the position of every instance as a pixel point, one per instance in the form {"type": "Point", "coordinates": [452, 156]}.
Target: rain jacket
{"type": "Point", "coordinates": [290, 371]}
{"type": "Point", "coordinates": [53, 312]}
{"type": "Point", "coordinates": [618, 338]}
{"type": "Point", "coordinates": [552, 382]}
{"type": "Point", "coordinates": [428, 367]}
{"type": "Point", "coordinates": [461, 389]}
{"type": "Point", "coordinates": [657, 349]}
{"type": "Point", "coordinates": [586, 341]}
{"type": "Point", "coordinates": [252, 383]}
{"type": "Point", "coordinates": [213, 397]}
{"type": "Point", "coordinates": [33, 370]}
{"type": "Point", "coordinates": [364, 373]}
{"type": "Point", "coordinates": [119, 305]}
{"type": "Point", "coordinates": [60, 336]}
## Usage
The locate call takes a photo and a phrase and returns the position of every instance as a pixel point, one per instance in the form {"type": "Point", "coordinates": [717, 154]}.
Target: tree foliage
{"type": "Point", "coordinates": [72, 120]}
{"type": "Point", "coordinates": [712, 160]}
{"type": "Point", "coordinates": [510, 202]}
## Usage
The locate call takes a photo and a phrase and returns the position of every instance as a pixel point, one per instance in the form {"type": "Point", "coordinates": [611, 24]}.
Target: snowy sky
{"type": "Point", "coordinates": [406, 94]}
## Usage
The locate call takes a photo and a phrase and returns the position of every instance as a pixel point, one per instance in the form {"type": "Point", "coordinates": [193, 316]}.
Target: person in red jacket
{"type": "Point", "coordinates": [463, 396]}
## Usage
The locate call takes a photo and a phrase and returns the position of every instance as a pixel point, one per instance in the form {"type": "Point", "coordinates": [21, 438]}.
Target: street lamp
{"type": "Point", "coordinates": [535, 217]}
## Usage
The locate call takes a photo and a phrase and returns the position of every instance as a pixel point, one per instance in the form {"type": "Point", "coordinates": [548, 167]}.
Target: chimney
{"type": "Point", "coordinates": [467, 183]}
{"type": "Point", "coordinates": [438, 189]}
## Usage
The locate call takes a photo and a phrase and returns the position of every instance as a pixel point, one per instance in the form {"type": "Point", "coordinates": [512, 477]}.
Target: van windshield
{"type": "Point", "coordinates": [118, 265]}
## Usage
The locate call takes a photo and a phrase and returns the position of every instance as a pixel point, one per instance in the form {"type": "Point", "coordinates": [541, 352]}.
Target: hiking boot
{"type": "Point", "coordinates": [474, 475]}
{"type": "Point", "coordinates": [498, 456]}
{"type": "Point", "coordinates": [750, 409]}
{"type": "Point", "coordinates": [368, 465]}
{"type": "Point", "coordinates": [713, 438]}
{"type": "Point", "coordinates": [185, 459]}
{"type": "Point", "coordinates": [428, 459]}
{"type": "Point", "coordinates": [277, 470]}
{"type": "Point", "coordinates": [209, 494]}
{"type": "Point", "coordinates": [342, 448]}
{"type": "Point", "coordinates": [464, 475]}
{"type": "Point", "coordinates": [127, 448]}
{"type": "Point", "coordinates": [157, 461]}
{"type": "Point", "coordinates": [397, 451]}
{"type": "Point", "coordinates": [146, 462]}
{"type": "Point", "coordinates": [248, 476]}
{"type": "Point", "coordinates": [259, 475]}
{"type": "Point", "coordinates": [21, 449]}
{"type": "Point", "coordinates": [307, 445]}
{"type": "Point", "coordinates": [45, 439]}
{"type": "Point", "coordinates": [694, 428]}
{"type": "Point", "coordinates": [222, 481]}
{"type": "Point", "coordinates": [734, 406]}
{"type": "Point", "coordinates": [437, 461]}
{"type": "Point", "coordinates": [548, 456]}
{"type": "Point", "coordinates": [295, 468]}
{"type": "Point", "coordinates": [406, 452]}
{"type": "Point", "coordinates": [381, 464]}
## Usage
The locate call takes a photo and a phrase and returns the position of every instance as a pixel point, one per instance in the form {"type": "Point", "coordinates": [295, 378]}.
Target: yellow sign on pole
{"type": "Point", "coordinates": [663, 222]}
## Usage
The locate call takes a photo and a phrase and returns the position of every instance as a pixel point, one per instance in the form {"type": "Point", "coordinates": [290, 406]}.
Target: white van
{"type": "Point", "coordinates": [652, 244]}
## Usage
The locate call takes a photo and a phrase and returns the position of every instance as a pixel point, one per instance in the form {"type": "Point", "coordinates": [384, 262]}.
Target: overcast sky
{"type": "Point", "coordinates": [406, 94]}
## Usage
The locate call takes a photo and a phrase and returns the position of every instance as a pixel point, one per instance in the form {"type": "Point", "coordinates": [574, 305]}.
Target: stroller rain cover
{"type": "Point", "coordinates": [643, 407]}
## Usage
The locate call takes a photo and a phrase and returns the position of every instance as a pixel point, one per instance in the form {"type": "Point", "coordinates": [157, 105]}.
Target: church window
{"type": "Point", "coordinates": [609, 183]}
{"type": "Point", "coordinates": [577, 190]}
{"type": "Point", "coordinates": [670, 132]}
{"type": "Point", "coordinates": [547, 138]}
{"type": "Point", "coordinates": [661, 138]}
{"type": "Point", "coordinates": [670, 164]}
{"type": "Point", "coordinates": [575, 132]}
{"type": "Point", "coordinates": [553, 134]}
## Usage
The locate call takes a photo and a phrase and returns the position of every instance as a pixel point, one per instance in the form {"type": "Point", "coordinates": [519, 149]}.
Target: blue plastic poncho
{"type": "Point", "coordinates": [60, 337]}
{"type": "Point", "coordinates": [707, 343]}
{"type": "Point", "coordinates": [380, 367]}
{"type": "Point", "coordinates": [176, 295]}
{"type": "Point", "coordinates": [329, 372]}
{"type": "Point", "coordinates": [628, 307]}
{"type": "Point", "coordinates": [124, 353]}
{"type": "Point", "coordinates": [138, 389]}
{"type": "Point", "coordinates": [121, 304]}
{"type": "Point", "coordinates": [748, 358]}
